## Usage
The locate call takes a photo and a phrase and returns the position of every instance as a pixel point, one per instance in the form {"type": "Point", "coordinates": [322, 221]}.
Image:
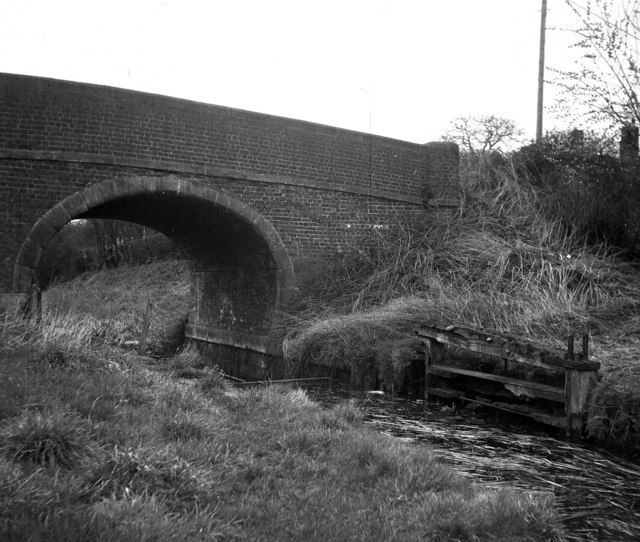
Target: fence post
{"type": "Point", "coordinates": [433, 354]}
{"type": "Point", "coordinates": [577, 387]}
{"type": "Point", "coordinates": [145, 329]}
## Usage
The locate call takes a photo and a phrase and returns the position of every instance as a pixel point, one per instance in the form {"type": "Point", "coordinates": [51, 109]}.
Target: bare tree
{"type": "Point", "coordinates": [483, 134]}
{"type": "Point", "coordinates": [606, 78]}
{"type": "Point", "coordinates": [113, 240]}
{"type": "Point", "coordinates": [106, 239]}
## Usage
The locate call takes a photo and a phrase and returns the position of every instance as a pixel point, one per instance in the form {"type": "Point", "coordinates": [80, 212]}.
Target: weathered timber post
{"type": "Point", "coordinates": [434, 355]}
{"type": "Point", "coordinates": [145, 329]}
{"type": "Point", "coordinates": [32, 306]}
{"type": "Point", "coordinates": [578, 384]}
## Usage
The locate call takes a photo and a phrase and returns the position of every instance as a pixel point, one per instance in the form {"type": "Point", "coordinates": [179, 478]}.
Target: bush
{"type": "Point", "coordinates": [614, 415]}
{"type": "Point", "coordinates": [582, 183]}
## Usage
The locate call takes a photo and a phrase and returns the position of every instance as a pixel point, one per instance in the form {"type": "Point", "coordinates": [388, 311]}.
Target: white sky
{"type": "Point", "coordinates": [399, 68]}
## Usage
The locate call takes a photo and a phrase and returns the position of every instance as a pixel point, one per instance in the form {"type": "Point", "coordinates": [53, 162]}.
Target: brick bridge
{"type": "Point", "coordinates": [250, 197]}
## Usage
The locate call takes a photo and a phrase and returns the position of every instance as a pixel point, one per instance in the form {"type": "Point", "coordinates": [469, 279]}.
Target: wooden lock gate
{"type": "Point", "coordinates": [510, 375]}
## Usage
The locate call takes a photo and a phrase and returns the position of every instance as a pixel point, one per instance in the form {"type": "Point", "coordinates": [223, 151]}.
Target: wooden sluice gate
{"type": "Point", "coordinates": [504, 372]}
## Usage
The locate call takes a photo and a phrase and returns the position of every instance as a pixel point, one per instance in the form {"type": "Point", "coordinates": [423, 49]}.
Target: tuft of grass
{"type": "Point", "coordinates": [56, 438]}
{"type": "Point", "coordinates": [187, 363]}
{"type": "Point", "coordinates": [307, 440]}
{"type": "Point", "coordinates": [483, 515]}
{"type": "Point", "coordinates": [184, 426]}
{"type": "Point", "coordinates": [213, 381]}
{"type": "Point", "coordinates": [147, 519]}
{"type": "Point", "coordinates": [172, 398]}
{"type": "Point", "coordinates": [383, 462]}
{"type": "Point", "coordinates": [342, 416]}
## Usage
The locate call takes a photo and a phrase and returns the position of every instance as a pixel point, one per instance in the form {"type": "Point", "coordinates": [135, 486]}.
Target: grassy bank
{"type": "Point", "coordinates": [502, 261]}
{"type": "Point", "coordinates": [97, 443]}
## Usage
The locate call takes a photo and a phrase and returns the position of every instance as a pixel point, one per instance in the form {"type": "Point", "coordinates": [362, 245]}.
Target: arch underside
{"type": "Point", "coordinates": [241, 273]}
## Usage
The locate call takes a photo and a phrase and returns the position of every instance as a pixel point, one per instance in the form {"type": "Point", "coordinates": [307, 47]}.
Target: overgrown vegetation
{"type": "Point", "coordinates": [581, 182]}
{"type": "Point", "coordinates": [542, 246]}
{"type": "Point", "coordinates": [100, 444]}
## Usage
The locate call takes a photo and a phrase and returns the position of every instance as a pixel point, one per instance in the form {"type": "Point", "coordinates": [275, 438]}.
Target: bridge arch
{"type": "Point", "coordinates": [242, 274]}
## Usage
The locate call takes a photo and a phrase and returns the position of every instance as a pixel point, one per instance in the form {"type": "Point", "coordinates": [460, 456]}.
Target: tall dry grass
{"type": "Point", "coordinates": [496, 261]}
{"type": "Point", "coordinates": [106, 308]}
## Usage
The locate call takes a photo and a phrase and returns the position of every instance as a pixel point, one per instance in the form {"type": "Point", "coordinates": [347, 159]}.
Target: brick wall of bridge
{"type": "Point", "coordinates": [319, 186]}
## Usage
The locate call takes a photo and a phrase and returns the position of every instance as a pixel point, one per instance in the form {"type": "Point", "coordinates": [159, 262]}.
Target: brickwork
{"type": "Point", "coordinates": [318, 188]}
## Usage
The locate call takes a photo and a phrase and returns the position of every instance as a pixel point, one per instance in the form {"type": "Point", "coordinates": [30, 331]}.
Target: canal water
{"type": "Point", "coordinates": [597, 493]}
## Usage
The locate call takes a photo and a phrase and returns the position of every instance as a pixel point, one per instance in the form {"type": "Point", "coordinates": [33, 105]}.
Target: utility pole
{"type": "Point", "coordinates": [543, 28]}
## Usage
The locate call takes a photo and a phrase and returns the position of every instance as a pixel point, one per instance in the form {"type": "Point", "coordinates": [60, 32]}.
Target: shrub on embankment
{"type": "Point", "coordinates": [503, 260]}
{"type": "Point", "coordinates": [100, 444]}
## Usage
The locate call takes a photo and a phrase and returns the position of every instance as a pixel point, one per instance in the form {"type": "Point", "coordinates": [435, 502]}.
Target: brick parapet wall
{"type": "Point", "coordinates": [51, 116]}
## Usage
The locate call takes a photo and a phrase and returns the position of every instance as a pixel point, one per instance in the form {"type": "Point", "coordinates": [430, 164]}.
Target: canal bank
{"type": "Point", "coordinates": [596, 492]}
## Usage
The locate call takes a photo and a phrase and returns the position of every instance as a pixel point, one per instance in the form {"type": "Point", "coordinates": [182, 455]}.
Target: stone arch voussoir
{"type": "Point", "coordinates": [82, 202]}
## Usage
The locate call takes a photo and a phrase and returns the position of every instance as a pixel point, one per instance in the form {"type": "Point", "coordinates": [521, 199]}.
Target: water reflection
{"type": "Point", "coordinates": [597, 493]}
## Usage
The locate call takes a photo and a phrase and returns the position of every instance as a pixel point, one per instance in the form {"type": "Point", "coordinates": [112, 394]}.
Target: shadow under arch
{"type": "Point", "coordinates": [243, 277]}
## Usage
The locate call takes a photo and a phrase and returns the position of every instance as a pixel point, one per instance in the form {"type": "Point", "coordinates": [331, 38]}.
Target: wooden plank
{"type": "Point", "coordinates": [311, 380]}
{"type": "Point", "coordinates": [547, 419]}
{"type": "Point", "coordinates": [505, 347]}
{"type": "Point", "coordinates": [234, 378]}
{"type": "Point", "coordinates": [518, 387]}
{"type": "Point", "coordinates": [444, 392]}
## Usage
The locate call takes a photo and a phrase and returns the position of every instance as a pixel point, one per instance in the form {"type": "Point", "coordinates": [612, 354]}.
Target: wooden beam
{"type": "Point", "coordinates": [547, 419]}
{"type": "Point", "coordinates": [311, 380]}
{"type": "Point", "coordinates": [505, 347]}
{"type": "Point", "coordinates": [534, 389]}
{"type": "Point", "coordinates": [444, 392]}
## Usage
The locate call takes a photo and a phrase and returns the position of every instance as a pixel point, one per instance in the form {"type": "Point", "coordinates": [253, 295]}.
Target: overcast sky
{"type": "Point", "coordinates": [399, 68]}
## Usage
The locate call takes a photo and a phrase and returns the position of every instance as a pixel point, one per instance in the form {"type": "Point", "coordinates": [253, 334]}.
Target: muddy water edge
{"type": "Point", "coordinates": [597, 493]}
